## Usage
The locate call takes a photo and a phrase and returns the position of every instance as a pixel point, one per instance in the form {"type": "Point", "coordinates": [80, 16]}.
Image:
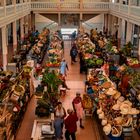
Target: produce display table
{"type": "Point", "coordinates": [114, 111]}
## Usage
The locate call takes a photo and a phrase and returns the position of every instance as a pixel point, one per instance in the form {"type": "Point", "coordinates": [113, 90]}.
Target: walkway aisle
{"type": "Point", "coordinates": [75, 82]}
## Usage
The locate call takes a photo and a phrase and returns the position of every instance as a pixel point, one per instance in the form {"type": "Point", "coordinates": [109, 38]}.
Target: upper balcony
{"type": "Point", "coordinates": [129, 11]}
{"type": "Point", "coordinates": [13, 12]}
{"type": "Point", "coordinates": [56, 6]}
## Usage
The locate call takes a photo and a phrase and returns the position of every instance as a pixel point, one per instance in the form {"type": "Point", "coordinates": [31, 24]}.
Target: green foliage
{"type": "Point", "coordinates": [51, 80]}
{"type": "Point", "coordinates": [135, 79]}
{"type": "Point", "coordinates": [127, 49]}
{"type": "Point", "coordinates": [43, 108]}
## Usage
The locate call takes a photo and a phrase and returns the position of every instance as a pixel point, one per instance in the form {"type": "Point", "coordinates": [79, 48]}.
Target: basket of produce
{"type": "Point", "coordinates": [87, 102]}
{"type": "Point", "coordinates": [18, 89]}
{"type": "Point", "coordinates": [107, 129]}
{"type": "Point", "coordinates": [116, 131]}
{"type": "Point", "coordinates": [106, 85]}
{"type": "Point", "coordinates": [127, 121]}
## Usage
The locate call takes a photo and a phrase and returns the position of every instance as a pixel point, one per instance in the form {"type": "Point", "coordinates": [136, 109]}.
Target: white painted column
{"type": "Point", "coordinates": [59, 19]}
{"type": "Point", "coordinates": [26, 24]}
{"type": "Point", "coordinates": [81, 20]}
{"type": "Point", "coordinates": [21, 28]}
{"type": "Point", "coordinates": [4, 48]}
{"type": "Point", "coordinates": [14, 36]}
{"type": "Point", "coordinates": [129, 32]}
{"type": "Point", "coordinates": [109, 24]}
{"type": "Point", "coordinates": [119, 32]}
{"type": "Point", "coordinates": [29, 22]}
{"type": "Point", "coordinates": [139, 50]}
{"type": "Point", "coordinates": [106, 22]}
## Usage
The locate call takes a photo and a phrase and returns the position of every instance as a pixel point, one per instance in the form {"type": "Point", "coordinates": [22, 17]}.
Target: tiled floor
{"type": "Point", "coordinates": [75, 81]}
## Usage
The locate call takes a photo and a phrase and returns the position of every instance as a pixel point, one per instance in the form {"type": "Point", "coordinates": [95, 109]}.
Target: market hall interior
{"type": "Point", "coordinates": [75, 81]}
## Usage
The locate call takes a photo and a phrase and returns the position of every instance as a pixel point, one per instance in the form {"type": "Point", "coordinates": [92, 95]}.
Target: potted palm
{"type": "Point", "coordinates": [50, 96]}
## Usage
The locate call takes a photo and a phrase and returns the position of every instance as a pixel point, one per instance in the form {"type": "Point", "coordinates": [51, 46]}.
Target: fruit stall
{"type": "Point", "coordinates": [88, 57]}
{"type": "Point", "coordinates": [15, 95]}
{"type": "Point", "coordinates": [55, 52]}
{"type": "Point", "coordinates": [117, 114]}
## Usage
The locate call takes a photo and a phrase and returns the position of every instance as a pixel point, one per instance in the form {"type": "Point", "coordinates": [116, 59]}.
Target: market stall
{"type": "Point", "coordinates": [116, 113]}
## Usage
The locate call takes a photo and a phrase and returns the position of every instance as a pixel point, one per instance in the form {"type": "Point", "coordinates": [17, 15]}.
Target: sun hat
{"type": "Point", "coordinates": [107, 129]}
{"type": "Point", "coordinates": [118, 120]}
{"type": "Point", "coordinates": [104, 122]}
{"type": "Point", "coordinates": [111, 91]}
{"type": "Point", "coordinates": [125, 108]}
{"type": "Point", "coordinates": [116, 107]}
{"type": "Point", "coordinates": [116, 95]}
{"type": "Point", "coordinates": [134, 111]}
{"type": "Point", "coordinates": [101, 115]}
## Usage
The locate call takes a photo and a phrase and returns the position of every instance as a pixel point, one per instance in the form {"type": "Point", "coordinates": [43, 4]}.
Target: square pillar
{"type": "Point", "coordinates": [4, 47]}
{"type": "Point", "coordinates": [14, 36]}
{"type": "Point", "coordinates": [21, 28]}
{"type": "Point", "coordinates": [129, 32]}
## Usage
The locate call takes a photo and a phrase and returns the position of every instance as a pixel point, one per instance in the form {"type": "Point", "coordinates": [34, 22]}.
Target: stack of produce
{"type": "Point", "coordinates": [87, 102]}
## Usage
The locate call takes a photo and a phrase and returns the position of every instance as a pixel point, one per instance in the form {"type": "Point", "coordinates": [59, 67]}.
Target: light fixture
{"type": "Point", "coordinates": [25, 24]}
{"type": "Point", "coordinates": [116, 25]}
{"type": "Point", "coordinates": [135, 35]}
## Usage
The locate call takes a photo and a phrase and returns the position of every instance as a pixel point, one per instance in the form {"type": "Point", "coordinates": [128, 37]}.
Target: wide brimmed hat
{"type": "Point", "coordinates": [116, 95]}
{"type": "Point", "coordinates": [134, 111]}
{"type": "Point", "coordinates": [104, 122]}
{"type": "Point", "coordinates": [118, 120]}
{"type": "Point", "coordinates": [111, 91]}
{"type": "Point", "coordinates": [107, 129]}
{"type": "Point", "coordinates": [101, 115]}
{"type": "Point", "coordinates": [125, 108]}
{"type": "Point", "coordinates": [116, 107]}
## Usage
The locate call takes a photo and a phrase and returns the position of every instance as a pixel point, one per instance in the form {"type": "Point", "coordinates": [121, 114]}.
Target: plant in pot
{"type": "Point", "coordinates": [50, 96]}
{"type": "Point", "coordinates": [127, 49]}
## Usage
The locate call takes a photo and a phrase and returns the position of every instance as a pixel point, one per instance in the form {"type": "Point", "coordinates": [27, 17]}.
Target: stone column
{"type": "Point", "coordinates": [21, 28]}
{"type": "Point", "coordinates": [109, 24]}
{"type": "Point", "coordinates": [32, 21]}
{"type": "Point", "coordinates": [119, 32]}
{"type": "Point", "coordinates": [26, 24]}
{"type": "Point", "coordinates": [29, 22]}
{"type": "Point", "coordinates": [139, 44]}
{"type": "Point", "coordinates": [81, 19]}
{"type": "Point", "coordinates": [59, 19]}
{"type": "Point", "coordinates": [14, 36]}
{"type": "Point", "coordinates": [129, 32]}
{"type": "Point", "coordinates": [4, 48]}
{"type": "Point", "coordinates": [106, 23]}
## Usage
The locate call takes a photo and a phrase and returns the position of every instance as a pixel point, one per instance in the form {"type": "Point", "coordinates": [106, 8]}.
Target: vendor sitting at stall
{"type": "Point", "coordinates": [90, 91]}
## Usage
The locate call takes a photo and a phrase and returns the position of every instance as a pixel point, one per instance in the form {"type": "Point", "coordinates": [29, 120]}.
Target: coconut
{"type": "Point", "coordinates": [116, 107]}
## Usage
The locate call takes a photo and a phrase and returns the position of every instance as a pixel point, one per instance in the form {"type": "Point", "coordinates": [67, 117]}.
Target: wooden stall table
{"type": "Point", "coordinates": [43, 129]}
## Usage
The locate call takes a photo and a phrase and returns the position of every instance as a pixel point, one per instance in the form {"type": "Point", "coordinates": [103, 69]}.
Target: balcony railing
{"type": "Point", "coordinates": [88, 6]}
{"type": "Point", "coordinates": [70, 6]}
{"type": "Point", "coordinates": [12, 12]}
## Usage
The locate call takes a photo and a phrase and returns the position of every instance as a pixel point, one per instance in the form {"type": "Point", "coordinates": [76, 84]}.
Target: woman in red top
{"type": "Point", "coordinates": [70, 125]}
{"type": "Point", "coordinates": [78, 107]}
